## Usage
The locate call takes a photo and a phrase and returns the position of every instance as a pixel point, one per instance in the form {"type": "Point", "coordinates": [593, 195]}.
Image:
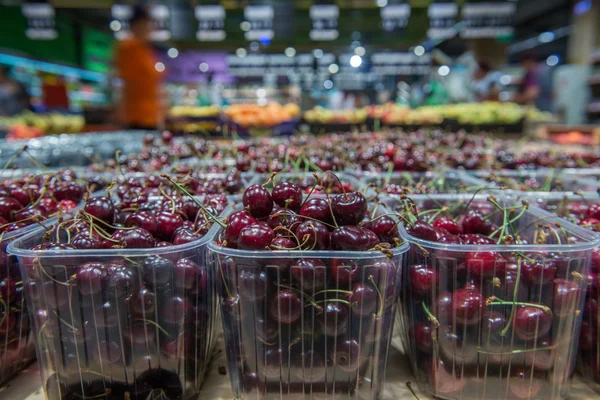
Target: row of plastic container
{"type": "Point", "coordinates": [147, 325]}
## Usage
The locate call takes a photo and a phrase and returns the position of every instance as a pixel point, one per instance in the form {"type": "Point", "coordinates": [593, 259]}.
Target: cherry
{"type": "Point", "coordinates": [385, 228]}
{"type": "Point", "coordinates": [493, 323]}
{"type": "Point", "coordinates": [346, 355]}
{"type": "Point", "coordinates": [176, 309]}
{"type": "Point", "coordinates": [541, 359]}
{"type": "Point", "coordinates": [142, 302]}
{"type": "Point", "coordinates": [344, 272]}
{"type": "Point", "coordinates": [8, 206]}
{"type": "Point", "coordinates": [189, 276]}
{"type": "Point", "coordinates": [455, 348]}
{"type": "Point", "coordinates": [423, 280]}
{"type": "Point", "coordinates": [49, 205]}
{"type": "Point", "coordinates": [101, 208]}
{"type": "Point", "coordinates": [349, 208]}
{"type": "Point", "coordinates": [422, 334]}
{"type": "Point", "coordinates": [286, 219]}
{"type": "Point", "coordinates": [442, 308]}
{"type": "Point", "coordinates": [143, 219]}
{"type": "Point", "coordinates": [467, 306]}
{"type": "Point", "coordinates": [311, 367]}
{"type": "Point", "coordinates": [257, 236]}
{"type": "Point", "coordinates": [8, 289]}
{"type": "Point", "coordinates": [350, 238]}
{"type": "Point", "coordinates": [282, 243]}
{"type": "Point", "coordinates": [313, 235]}
{"type": "Point", "coordinates": [309, 274]}
{"type": "Point", "coordinates": [91, 278]}
{"type": "Point", "coordinates": [525, 383]}
{"type": "Point", "coordinates": [286, 307]}
{"type": "Point", "coordinates": [447, 223]}
{"type": "Point", "coordinates": [317, 209]}
{"type": "Point", "coordinates": [593, 211]}
{"type": "Point", "coordinates": [422, 230]}
{"type": "Point", "coordinates": [531, 322]}
{"type": "Point", "coordinates": [333, 320]}
{"type": "Point", "coordinates": [587, 337]}
{"type": "Point", "coordinates": [157, 270]}
{"type": "Point", "coordinates": [567, 296]}
{"type": "Point", "coordinates": [236, 222]}
{"type": "Point", "coordinates": [185, 235]}
{"type": "Point", "coordinates": [21, 195]}
{"type": "Point", "coordinates": [475, 238]}
{"type": "Point", "coordinates": [363, 299]}
{"type": "Point", "coordinates": [136, 238]}
{"type": "Point", "coordinates": [474, 222]}
{"type": "Point", "coordinates": [274, 361]}
{"type": "Point", "coordinates": [252, 283]}
{"type": "Point", "coordinates": [287, 195]}
{"type": "Point", "coordinates": [485, 264]}
{"type": "Point", "coordinates": [69, 191]}
{"type": "Point", "coordinates": [167, 224]}
{"type": "Point", "coordinates": [257, 201]}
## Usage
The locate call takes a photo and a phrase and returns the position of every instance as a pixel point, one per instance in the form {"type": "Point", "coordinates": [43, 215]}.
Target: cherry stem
{"type": "Point", "coordinates": [380, 311]}
{"type": "Point", "coordinates": [12, 158]}
{"type": "Point", "coordinates": [409, 386]}
{"type": "Point", "coordinates": [312, 189]}
{"type": "Point", "coordinates": [334, 291]}
{"type": "Point", "coordinates": [518, 351]}
{"type": "Point", "coordinates": [333, 300]}
{"type": "Point", "coordinates": [161, 190]}
{"type": "Point", "coordinates": [181, 188]}
{"type": "Point", "coordinates": [430, 315]}
{"type": "Point", "coordinates": [156, 325]}
{"type": "Point", "coordinates": [434, 216]}
{"type": "Point", "coordinates": [310, 299]}
{"type": "Point", "coordinates": [494, 301]}
{"type": "Point", "coordinates": [227, 292]}
{"type": "Point", "coordinates": [514, 302]}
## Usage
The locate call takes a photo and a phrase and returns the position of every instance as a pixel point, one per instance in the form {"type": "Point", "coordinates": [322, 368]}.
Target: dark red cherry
{"type": "Point", "coordinates": [309, 274]}
{"type": "Point", "coordinates": [485, 264]}
{"type": "Point", "coordinates": [525, 383]}
{"type": "Point", "coordinates": [235, 223]}
{"type": "Point", "coordinates": [593, 211]}
{"type": "Point", "coordinates": [442, 308]}
{"type": "Point", "coordinates": [185, 235]}
{"type": "Point", "coordinates": [333, 320]}
{"type": "Point", "coordinates": [532, 322]}
{"type": "Point", "coordinates": [447, 223]}
{"type": "Point", "coordinates": [121, 282]}
{"type": "Point", "coordinates": [385, 228]}
{"type": "Point", "coordinates": [475, 238]}
{"type": "Point", "coordinates": [372, 238]}
{"type": "Point", "coordinates": [8, 206]}
{"type": "Point", "coordinates": [101, 208]}
{"type": "Point", "coordinates": [317, 208]}
{"type": "Point", "coordinates": [252, 283]}
{"type": "Point", "coordinates": [21, 195]}
{"type": "Point", "coordinates": [136, 238]}
{"type": "Point", "coordinates": [363, 299]}
{"type": "Point", "coordinates": [344, 272]}
{"type": "Point", "coordinates": [157, 270]}
{"type": "Point", "coordinates": [468, 306]}
{"type": "Point", "coordinates": [188, 275]}
{"type": "Point", "coordinates": [346, 355]}
{"type": "Point", "coordinates": [455, 347]}
{"type": "Point", "coordinates": [313, 235]}
{"type": "Point", "coordinates": [286, 307]}
{"type": "Point", "coordinates": [587, 337]}
{"type": "Point", "coordinates": [167, 224]}
{"type": "Point", "coordinates": [142, 302]}
{"type": "Point", "coordinates": [177, 310]}
{"type": "Point", "coordinates": [69, 191]}
{"type": "Point", "coordinates": [539, 270]}
{"type": "Point", "coordinates": [143, 219]}
{"type": "Point", "coordinates": [422, 334]}
{"type": "Point", "coordinates": [282, 243]}
{"type": "Point", "coordinates": [423, 280]}
{"type": "Point", "coordinates": [422, 230]}
{"type": "Point", "coordinates": [91, 278]}
{"type": "Point", "coordinates": [349, 208]}
{"type": "Point", "coordinates": [567, 296]}
{"type": "Point", "coordinates": [84, 241]}
{"type": "Point", "coordinates": [287, 195]}
{"type": "Point", "coordinates": [257, 201]}
{"type": "Point", "coordinates": [350, 238]}
{"type": "Point", "coordinates": [257, 236]}
{"type": "Point", "coordinates": [473, 222]}
{"type": "Point", "coordinates": [8, 289]}
{"type": "Point", "coordinates": [284, 222]}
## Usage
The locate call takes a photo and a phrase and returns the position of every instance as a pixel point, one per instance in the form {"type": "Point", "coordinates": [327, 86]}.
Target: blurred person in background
{"type": "Point", "coordinates": [529, 89]}
{"type": "Point", "coordinates": [14, 98]}
{"type": "Point", "coordinates": [486, 82]}
{"type": "Point", "coordinates": [136, 66]}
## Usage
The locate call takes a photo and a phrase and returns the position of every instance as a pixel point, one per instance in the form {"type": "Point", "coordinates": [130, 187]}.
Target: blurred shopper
{"type": "Point", "coordinates": [14, 98]}
{"type": "Point", "coordinates": [529, 90]}
{"type": "Point", "coordinates": [486, 82]}
{"type": "Point", "coordinates": [136, 66]}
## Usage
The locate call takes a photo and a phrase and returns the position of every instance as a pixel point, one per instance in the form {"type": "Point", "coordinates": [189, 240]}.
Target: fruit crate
{"type": "Point", "coordinates": [543, 180]}
{"type": "Point", "coordinates": [496, 321]}
{"type": "Point", "coordinates": [307, 179]}
{"type": "Point", "coordinates": [143, 330]}
{"type": "Point", "coordinates": [288, 330]}
{"type": "Point", "coordinates": [401, 183]}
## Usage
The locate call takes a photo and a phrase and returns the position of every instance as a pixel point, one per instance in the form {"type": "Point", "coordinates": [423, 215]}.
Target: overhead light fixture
{"type": "Point", "coordinates": [552, 60]}
{"type": "Point", "coordinates": [419, 50]}
{"type": "Point", "coordinates": [382, 3]}
{"type": "Point", "coordinates": [333, 68]}
{"type": "Point", "coordinates": [360, 51]}
{"type": "Point", "coordinates": [290, 52]}
{"type": "Point", "coordinates": [443, 70]}
{"type": "Point", "coordinates": [318, 53]}
{"type": "Point", "coordinates": [160, 67]}
{"type": "Point", "coordinates": [241, 52]}
{"type": "Point", "coordinates": [356, 61]}
{"type": "Point", "coordinates": [203, 67]}
{"type": "Point", "coordinates": [328, 84]}
{"type": "Point", "coordinates": [546, 37]}
{"type": "Point", "coordinates": [245, 26]}
{"type": "Point", "coordinates": [115, 25]}
{"type": "Point", "coordinates": [173, 52]}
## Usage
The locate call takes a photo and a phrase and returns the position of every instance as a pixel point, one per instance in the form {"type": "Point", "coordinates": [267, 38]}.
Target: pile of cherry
{"type": "Point", "coordinates": [122, 295]}
{"type": "Point", "coordinates": [483, 324]}
{"type": "Point", "coordinates": [300, 313]}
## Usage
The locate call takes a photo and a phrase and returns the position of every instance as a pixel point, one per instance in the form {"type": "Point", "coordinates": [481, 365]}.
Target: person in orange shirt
{"type": "Point", "coordinates": [136, 66]}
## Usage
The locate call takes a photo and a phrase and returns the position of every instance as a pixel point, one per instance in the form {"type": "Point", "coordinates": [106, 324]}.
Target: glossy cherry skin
{"type": "Point", "coordinates": [350, 238]}
{"type": "Point", "coordinates": [587, 337]}
{"type": "Point", "coordinates": [422, 230]}
{"type": "Point", "coordinates": [91, 278]}
{"type": "Point", "coordinates": [313, 235]}
{"type": "Point", "coordinates": [167, 224]}
{"type": "Point", "coordinates": [447, 223]}
{"type": "Point", "coordinates": [121, 282]}
{"type": "Point", "coordinates": [333, 320]}
{"type": "Point", "coordinates": [423, 280]}
{"type": "Point", "coordinates": [236, 222]}
{"type": "Point", "coordinates": [8, 206]}
{"type": "Point", "coordinates": [385, 228]}
{"type": "Point", "coordinates": [317, 208]}
{"type": "Point", "coordinates": [136, 238]}
{"type": "Point", "coordinates": [493, 323]}
{"type": "Point", "coordinates": [532, 322]}
{"type": "Point", "coordinates": [157, 271]}
{"type": "Point", "coordinates": [363, 299]}
{"type": "Point", "coordinates": [257, 236]}
{"type": "Point", "coordinates": [474, 222]}
{"type": "Point", "coordinates": [476, 238]}
{"type": "Point", "coordinates": [287, 195]}
{"type": "Point", "coordinates": [252, 283]}
{"type": "Point", "coordinates": [593, 211]}
{"type": "Point", "coordinates": [468, 306]}
{"type": "Point", "coordinates": [309, 274]}
{"type": "Point", "coordinates": [422, 334]}
{"type": "Point", "coordinates": [143, 219]}
{"type": "Point", "coordinates": [485, 264]}
{"type": "Point", "coordinates": [8, 289]}
{"type": "Point", "coordinates": [349, 208]}
{"type": "Point", "coordinates": [539, 271]}
{"type": "Point", "coordinates": [567, 296]}
{"type": "Point", "coordinates": [455, 348]}
{"type": "Point", "coordinates": [346, 355]}
{"type": "Point", "coordinates": [284, 222]}
{"type": "Point", "coordinates": [101, 208]}
{"type": "Point", "coordinates": [257, 200]}
{"type": "Point", "coordinates": [344, 272]}
{"type": "Point", "coordinates": [286, 307]}
{"type": "Point", "coordinates": [282, 243]}
{"type": "Point", "coordinates": [525, 383]}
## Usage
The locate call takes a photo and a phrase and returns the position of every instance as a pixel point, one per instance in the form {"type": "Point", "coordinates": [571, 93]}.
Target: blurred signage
{"type": "Point", "coordinates": [488, 20]}
{"type": "Point", "coordinates": [261, 22]}
{"type": "Point", "coordinates": [40, 21]}
{"type": "Point", "coordinates": [442, 18]}
{"type": "Point", "coordinates": [324, 21]}
{"type": "Point", "coordinates": [161, 18]}
{"type": "Point", "coordinates": [261, 64]}
{"type": "Point", "coordinates": [400, 63]}
{"type": "Point", "coordinates": [211, 23]}
{"type": "Point", "coordinates": [394, 17]}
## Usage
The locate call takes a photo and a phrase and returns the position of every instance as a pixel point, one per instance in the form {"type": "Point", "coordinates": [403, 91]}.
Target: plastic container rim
{"type": "Point", "coordinates": [593, 239]}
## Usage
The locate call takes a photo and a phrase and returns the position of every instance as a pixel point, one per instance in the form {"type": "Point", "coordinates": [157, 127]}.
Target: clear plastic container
{"type": "Point", "coordinates": [138, 325]}
{"type": "Point", "coordinates": [306, 179]}
{"type": "Point", "coordinates": [307, 324]}
{"type": "Point", "coordinates": [542, 180]}
{"type": "Point", "coordinates": [398, 183]}
{"type": "Point", "coordinates": [500, 327]}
